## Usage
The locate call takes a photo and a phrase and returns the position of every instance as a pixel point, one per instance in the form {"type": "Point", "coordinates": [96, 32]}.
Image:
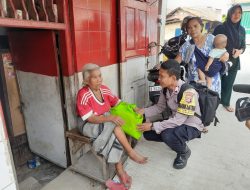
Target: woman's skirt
{"type": "Point", "coordinates": [104, 141]}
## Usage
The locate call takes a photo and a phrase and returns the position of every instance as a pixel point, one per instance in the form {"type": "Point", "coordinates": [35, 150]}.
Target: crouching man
{"type": "Point", "coordinates": [182, 125]}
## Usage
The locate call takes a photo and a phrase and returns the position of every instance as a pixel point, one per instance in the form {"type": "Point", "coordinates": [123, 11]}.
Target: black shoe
{"type": "Point", "coordinates": [180, 161]}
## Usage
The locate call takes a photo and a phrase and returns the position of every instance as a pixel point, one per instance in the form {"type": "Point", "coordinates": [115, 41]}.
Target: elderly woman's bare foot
{"type": "Point", "coordinates": [125, 179]}
{"type": "Point", "coordinates": [133, 155]}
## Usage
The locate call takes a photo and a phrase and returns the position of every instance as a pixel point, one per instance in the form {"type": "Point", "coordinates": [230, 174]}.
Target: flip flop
{"type": "Point", "coordinates": [125, 179]}
{"type": "Point", "coordinates": [229, 109]}
{"type": "Point", "coordinates": [112, 185]}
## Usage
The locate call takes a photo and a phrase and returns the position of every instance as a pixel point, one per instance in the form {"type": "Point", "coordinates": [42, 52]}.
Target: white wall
{"type": "Point", "coordinates": [170, 30]}
{"type": "Point", "coordinates": [7, 169]}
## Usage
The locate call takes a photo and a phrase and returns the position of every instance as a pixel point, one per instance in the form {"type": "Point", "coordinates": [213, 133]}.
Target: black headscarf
{"type": "Point", "coordinates": [232, 30]}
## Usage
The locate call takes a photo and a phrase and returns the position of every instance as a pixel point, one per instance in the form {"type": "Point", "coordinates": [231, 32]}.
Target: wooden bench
{"type": "Point", "coordinates": [89, 163]}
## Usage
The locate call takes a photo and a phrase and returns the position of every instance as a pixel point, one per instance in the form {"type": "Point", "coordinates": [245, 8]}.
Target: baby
{"type": "Point", "coordinates": [213, 66]}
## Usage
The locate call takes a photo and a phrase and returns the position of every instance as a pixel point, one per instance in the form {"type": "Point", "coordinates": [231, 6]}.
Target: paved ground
{"type": "Point", "coordinates": [220, 159]}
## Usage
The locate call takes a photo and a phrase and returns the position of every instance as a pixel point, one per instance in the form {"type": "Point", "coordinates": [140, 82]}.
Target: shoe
{"type": "Point", "coordinates": [181, 159]}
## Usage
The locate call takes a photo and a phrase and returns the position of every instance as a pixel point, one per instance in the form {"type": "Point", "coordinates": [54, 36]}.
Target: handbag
{"type": "Point", "coordinates": [130, 117]}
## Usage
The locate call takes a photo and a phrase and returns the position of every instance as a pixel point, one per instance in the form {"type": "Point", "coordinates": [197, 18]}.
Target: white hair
{"type": "Point", "coordinates": [86, 72]}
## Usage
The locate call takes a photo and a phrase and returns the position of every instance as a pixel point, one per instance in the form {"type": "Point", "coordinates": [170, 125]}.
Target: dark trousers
{"type": "Point", "coordinates": [175, 138]}
{"type": "Point", "coordinates": [227, 86]}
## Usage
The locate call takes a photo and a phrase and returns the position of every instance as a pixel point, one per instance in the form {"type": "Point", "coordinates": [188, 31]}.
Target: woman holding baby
{"type": "Point", "coordinates": [203, 44]}
{"type": "Point", "coordinates": [235, 47]}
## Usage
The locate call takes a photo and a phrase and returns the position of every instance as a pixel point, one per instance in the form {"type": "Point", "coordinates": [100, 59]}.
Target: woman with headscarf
{"type": "Point", "coordinates": [235, 47]}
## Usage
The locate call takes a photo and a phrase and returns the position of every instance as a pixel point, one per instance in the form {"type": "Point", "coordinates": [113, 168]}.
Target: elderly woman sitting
{"type": "Point", "coordinates": [94, 101]}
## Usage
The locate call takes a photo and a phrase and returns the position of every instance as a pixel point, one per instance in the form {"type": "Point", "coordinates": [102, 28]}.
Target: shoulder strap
{"type": "Point", "coordinates": [184, 87]}
{"type": "Point", "coordinates": [164, 91]}
{"type": "Point", "coordinates": [191, 41]}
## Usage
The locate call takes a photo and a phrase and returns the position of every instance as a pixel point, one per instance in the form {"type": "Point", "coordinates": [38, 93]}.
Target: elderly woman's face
{"type": "Point", "coordinates": [95, 79]}
{"type": "Point", "coordinates": [236, 16]}
{"type": "Point", "coordinates": [194, 28]}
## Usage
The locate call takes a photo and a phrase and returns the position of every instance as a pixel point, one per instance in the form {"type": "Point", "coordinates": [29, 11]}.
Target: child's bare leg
{"type": "Point", "coordinates": [124, 142]}
{"type": "Point", "coordinates": [209, 82]}
{"type": "Point", "coordinates": [202, 76]}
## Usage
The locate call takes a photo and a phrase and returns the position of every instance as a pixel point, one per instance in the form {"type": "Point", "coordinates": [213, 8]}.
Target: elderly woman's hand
{"type": "Point", "coordinates": [224, 58]}
{"type": "Point", "coordinates": [116, 120]}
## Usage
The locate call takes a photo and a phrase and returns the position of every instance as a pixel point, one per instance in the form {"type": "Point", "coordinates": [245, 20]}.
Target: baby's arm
{"type": "Point", "coordinates": [209, 63]}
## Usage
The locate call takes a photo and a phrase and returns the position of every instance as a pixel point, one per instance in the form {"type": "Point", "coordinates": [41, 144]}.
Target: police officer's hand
{"type": "Point", "coordinates": [139, 110]}
{"type": "Point", "coordinates": [145, 127]}
{"type": "Point", "coordinates": [248, 124]}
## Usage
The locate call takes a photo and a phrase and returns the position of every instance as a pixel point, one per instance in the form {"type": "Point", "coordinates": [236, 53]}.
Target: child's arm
{"type": "Point", "coordinates": [209, 63]}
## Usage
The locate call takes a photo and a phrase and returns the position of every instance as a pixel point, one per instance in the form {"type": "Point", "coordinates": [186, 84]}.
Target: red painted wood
{"type": "Point", "coordinates": [34, 51]}
{"type": "Point", "coordinates": [41, 11]}
{"type": "Point", "coordinates": [50, 11]}
{"type": "Point", "coordinates": [9, 22]}
{"type": "Point", "coordinates": [130, 28]}
{"type": "Point", "coordinates": [20, 5]}
{"type": "Point", "coordinates": [60, 9]}
{"type": "Point", "coordinates": [65, 37]}
{"type": "Point", "coordinates": [11, 10]}
{"type": "Point", "coordinates": [133, 29]}
{"type": "Point", "coordinates": [152, 22]}
{"type": "Point", "coordinates": [25, 11]}
{"type": "Point", "coordinates": [30, 5]}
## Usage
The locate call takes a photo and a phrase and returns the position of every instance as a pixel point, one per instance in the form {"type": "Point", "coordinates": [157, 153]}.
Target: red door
{"type": "Point", "coordinates": [133, 51]}
{"type": "Point", "coordinates": [133, 28]}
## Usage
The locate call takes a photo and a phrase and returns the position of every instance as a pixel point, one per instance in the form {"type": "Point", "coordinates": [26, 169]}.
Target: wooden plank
{"type": "Point", "coordinates": [15, 23]}
{"type": "Point", "coordinates": [88, 165]}
{"type": "Point", "coordinates": [14, 100]}
{"type": "Point", "coordinates": [74, 134]}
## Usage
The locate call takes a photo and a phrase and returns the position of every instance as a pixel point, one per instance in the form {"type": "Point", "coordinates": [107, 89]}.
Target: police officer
{"type": "Point", "coordinates": [182, 125]}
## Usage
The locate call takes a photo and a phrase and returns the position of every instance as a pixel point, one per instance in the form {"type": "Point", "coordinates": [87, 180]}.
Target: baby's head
{"type": "Point", "coordinates": [220, 41]}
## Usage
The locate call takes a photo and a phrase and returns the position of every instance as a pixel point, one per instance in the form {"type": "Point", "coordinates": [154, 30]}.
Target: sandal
{"type": "Point", "coordinates": [112, 185]}
{"type": "Point", "coordinates": [125, 179]}
{"type": "Point", "coordinates": [229, 109]}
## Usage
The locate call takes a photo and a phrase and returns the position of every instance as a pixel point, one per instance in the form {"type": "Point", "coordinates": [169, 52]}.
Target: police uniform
{"type": "Point", "coordinates": [182, 125]}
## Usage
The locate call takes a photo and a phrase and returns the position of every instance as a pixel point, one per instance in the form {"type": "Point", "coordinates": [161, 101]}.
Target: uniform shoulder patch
{"type": "Point", "coordinates": [187, 103]}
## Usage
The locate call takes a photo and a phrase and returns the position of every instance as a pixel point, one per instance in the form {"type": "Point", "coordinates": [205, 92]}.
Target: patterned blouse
{"type": "Point", "coordinates": [192, 67]}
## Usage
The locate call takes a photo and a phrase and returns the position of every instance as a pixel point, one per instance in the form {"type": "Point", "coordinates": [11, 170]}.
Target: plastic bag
{"type": "Point", "coordinates": [130, 117]}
